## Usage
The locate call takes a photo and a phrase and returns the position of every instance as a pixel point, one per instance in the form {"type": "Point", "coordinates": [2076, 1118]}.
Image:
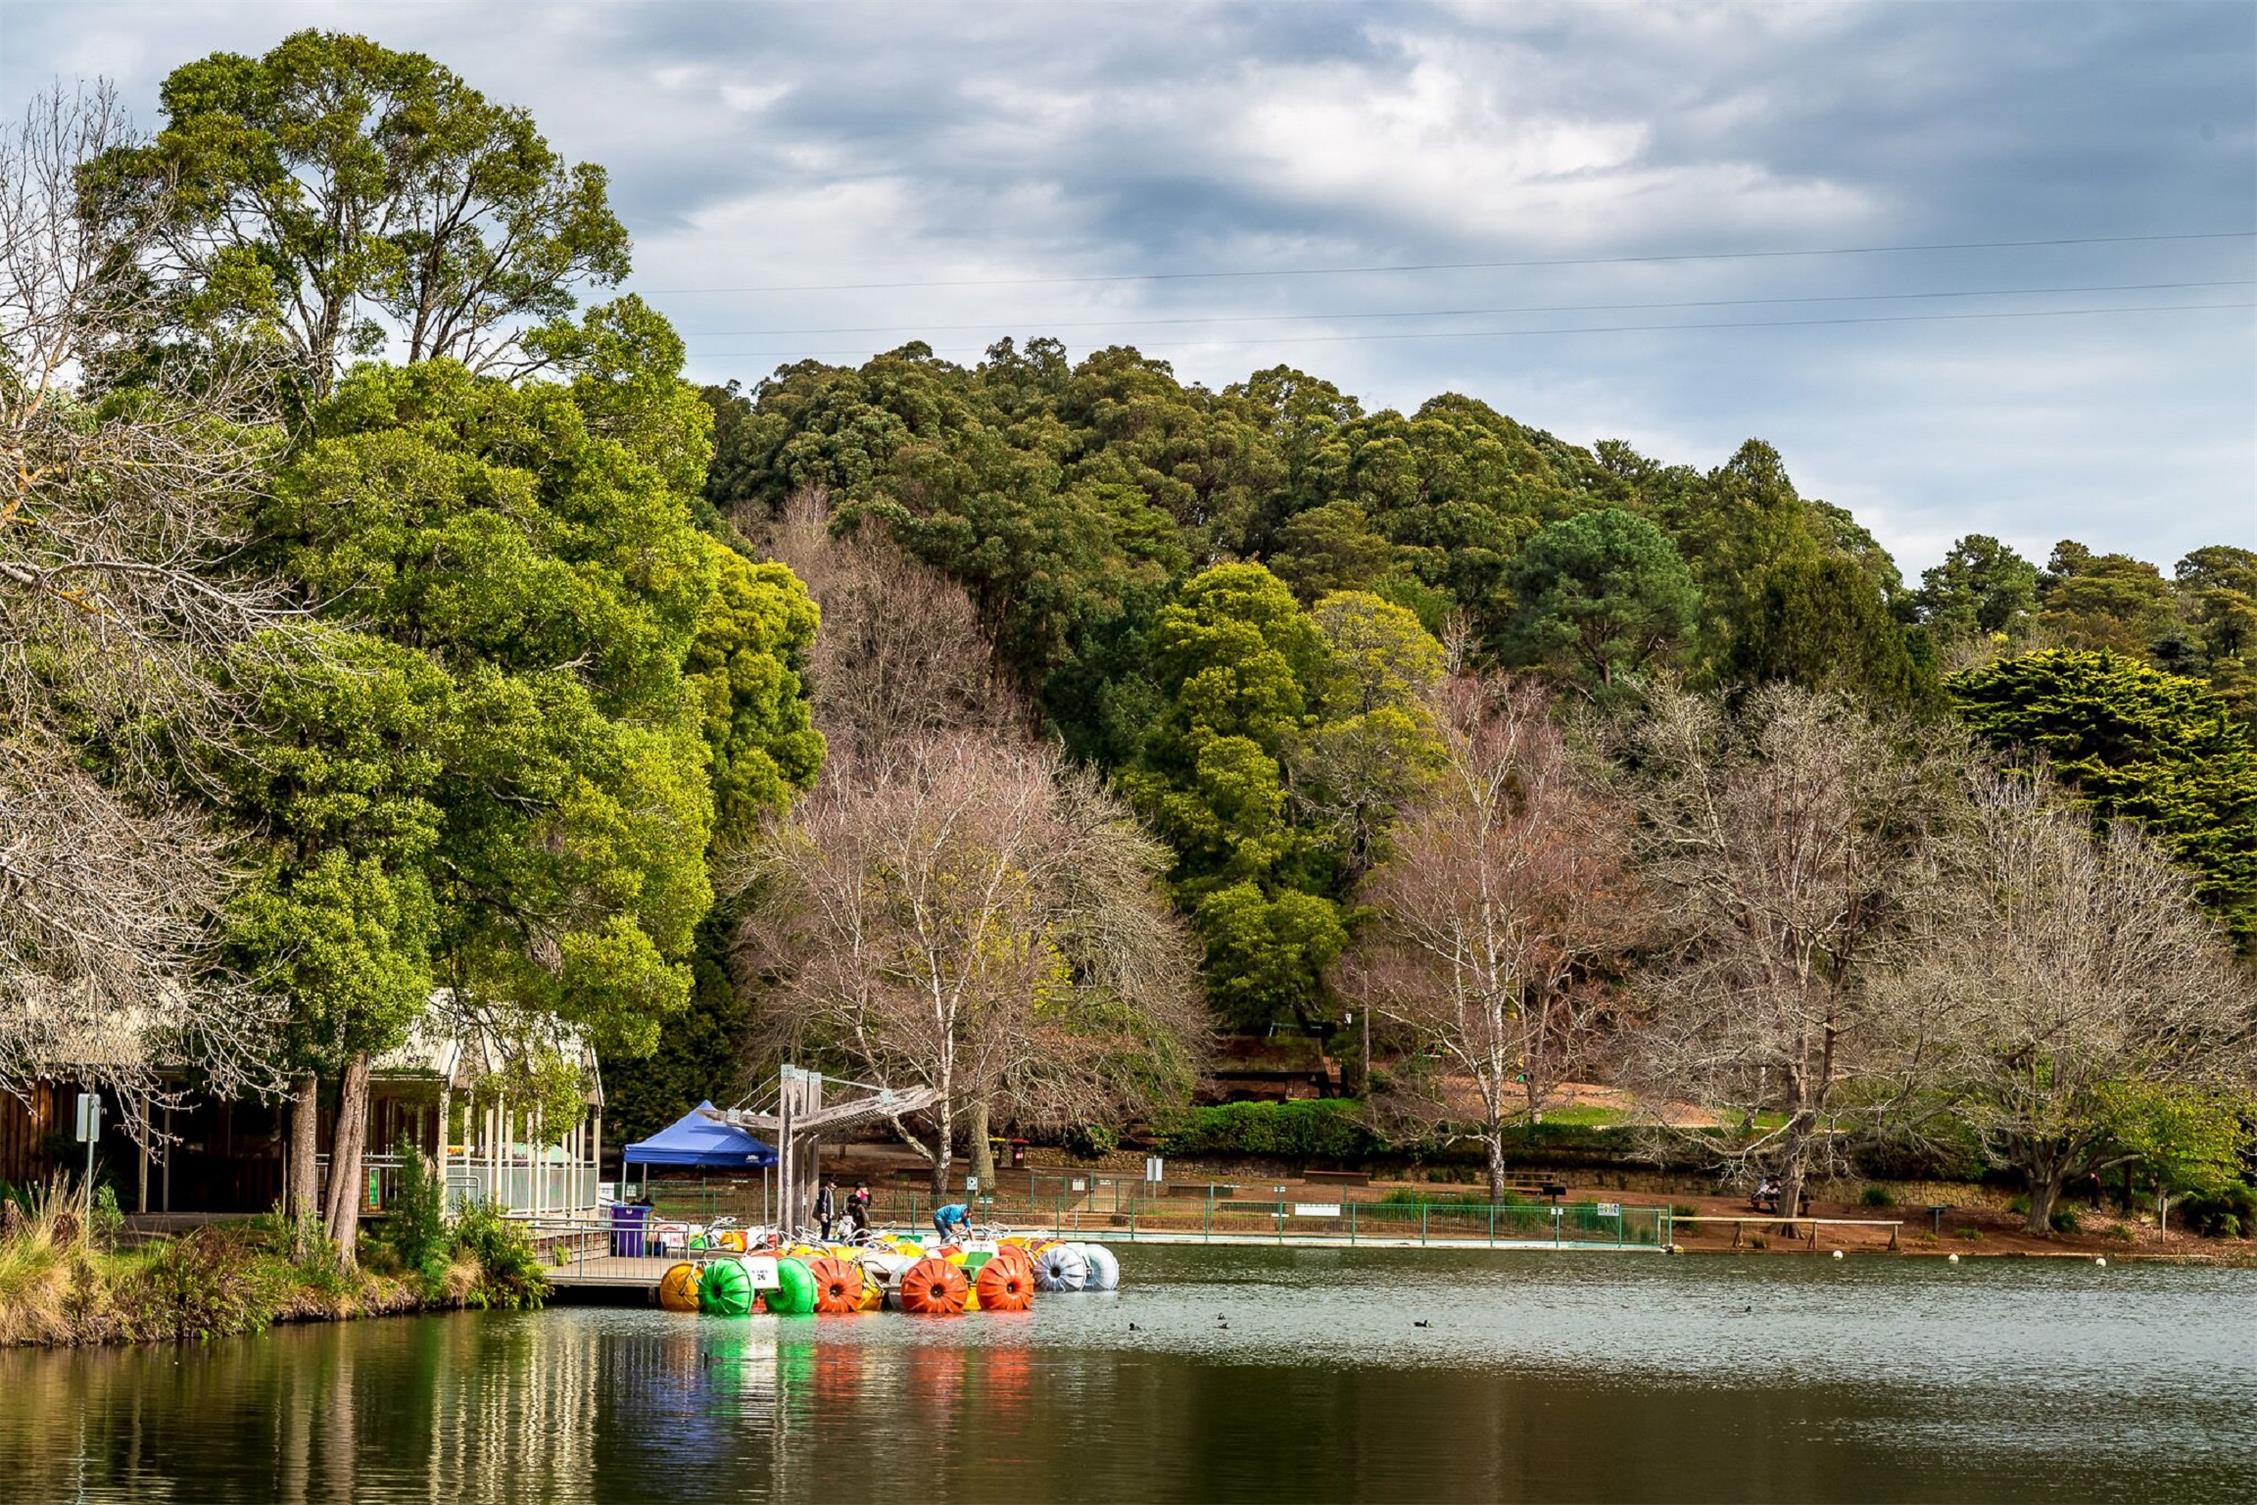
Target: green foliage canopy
{"type": "Point", "coordinates": [2135, 743]}
{"type": "Point", "coordinates": [333, 193]}
{"type": "Point", "coordinates": [1600, 597]}
{"type": "Point", "coordinates": [608, 691]}
{"type": "Point", "coordinates": [1284, 741]}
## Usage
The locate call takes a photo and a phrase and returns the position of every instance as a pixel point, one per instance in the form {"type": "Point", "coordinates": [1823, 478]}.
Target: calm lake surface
{"type": "Point", "coordinates": [1541, 1377]}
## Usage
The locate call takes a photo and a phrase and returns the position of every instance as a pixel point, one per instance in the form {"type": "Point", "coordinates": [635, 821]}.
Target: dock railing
{"type": "Point", "coordinates": [1232, 1213]}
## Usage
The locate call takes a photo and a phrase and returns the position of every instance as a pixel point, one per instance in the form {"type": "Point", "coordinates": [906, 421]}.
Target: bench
{"type": "Point", "coordinates": [1338, 1178]}
{"type": "Point", "coordinates": [1550, 1190]}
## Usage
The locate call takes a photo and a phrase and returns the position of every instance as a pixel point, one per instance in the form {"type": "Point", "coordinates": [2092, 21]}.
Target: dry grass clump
{"type": "Point", "coordinates": [47, 1271]}
{"type": "Point", "coordinates": [60, 1287]}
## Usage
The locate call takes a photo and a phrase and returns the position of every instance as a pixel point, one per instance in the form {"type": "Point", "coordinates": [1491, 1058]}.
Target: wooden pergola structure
{"type": "Point", "coordinates": [797, 1123]}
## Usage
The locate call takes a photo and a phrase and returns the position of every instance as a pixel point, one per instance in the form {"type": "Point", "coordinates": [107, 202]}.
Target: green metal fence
{"type": "Point", "coordinates": [1127, 1209]}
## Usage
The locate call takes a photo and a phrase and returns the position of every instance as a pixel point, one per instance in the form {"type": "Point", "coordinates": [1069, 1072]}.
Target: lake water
{"type": "Point", "coordinates": [1539, 1377]}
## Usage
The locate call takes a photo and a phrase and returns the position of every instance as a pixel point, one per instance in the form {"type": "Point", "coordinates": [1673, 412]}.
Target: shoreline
{"type": "Point", "coordinates": [387, 1297]}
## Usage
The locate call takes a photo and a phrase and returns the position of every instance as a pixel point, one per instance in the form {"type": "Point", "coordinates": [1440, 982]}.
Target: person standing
{"type": "Point", "coordinates": [859, 1204]}
{"type": "Point", "coordinates": [826, 1208]}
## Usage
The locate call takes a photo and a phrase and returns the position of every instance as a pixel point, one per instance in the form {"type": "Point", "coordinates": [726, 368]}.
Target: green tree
{"type": "Point", "coordinates": [1982, 589]}
{"type": "Point", "coordinates": [1735, 526]}
{"type": "Point", "coordinates": [2190, 1140]}
{"type": "Point", "coordinates": [1330, 548]}
{"type": "Point", "coordinates": [334, 193]}
{"type": "Point", "coordinates": [1838, 532]}
{"type": "Point", "coordinates": [608, 660]}
{"type": "Point", "coordinates": [1600, 598]}
{"type": "Point", "coordinates": [2135, 743]}
{"type": "Point", "coordinates": [2217, 597]}
{"type": "Point", "coordinates": [340, 774]}
{"type": "Point", "coordinates": [732, 481]}
{"type": "Point", "coordinates": [2103, 601]}
{"type": "Point", "coordinates": [1286, 742]}
{"type": "Point", "coordinates": [1821, 623]}
{"type": "Point", "coordinates": [605, 693]}
{"type": "Point", "coordinates": [1308, 420]}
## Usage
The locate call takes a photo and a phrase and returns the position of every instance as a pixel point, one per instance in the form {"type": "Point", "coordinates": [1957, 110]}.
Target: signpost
{"type": "Point", "coordinates": [89, 1131]}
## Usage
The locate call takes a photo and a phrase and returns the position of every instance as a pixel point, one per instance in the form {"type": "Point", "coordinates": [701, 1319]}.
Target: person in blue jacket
{"type": "Point", "coordinates": [953, 1220]}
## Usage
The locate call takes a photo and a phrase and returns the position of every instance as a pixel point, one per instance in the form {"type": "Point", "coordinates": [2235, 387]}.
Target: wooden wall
{"type": "Point", "coordinates": [24, 1122]}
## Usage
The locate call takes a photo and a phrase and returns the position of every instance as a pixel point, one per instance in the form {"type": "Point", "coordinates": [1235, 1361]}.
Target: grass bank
{"type": "Point", "coordinates": [61, 1285]}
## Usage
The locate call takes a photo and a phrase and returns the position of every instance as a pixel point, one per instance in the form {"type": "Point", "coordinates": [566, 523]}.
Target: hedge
{"type": "Point", "coordinates": [1317, 1129]}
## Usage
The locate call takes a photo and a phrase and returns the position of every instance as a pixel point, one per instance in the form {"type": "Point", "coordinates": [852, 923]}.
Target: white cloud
{"type": "Point", "coordinates": [776, 145]}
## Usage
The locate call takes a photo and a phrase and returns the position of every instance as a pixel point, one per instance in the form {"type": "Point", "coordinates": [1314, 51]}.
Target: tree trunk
{"type": "Point", "coordinates": [2045, 1190]}
{"type": "Point", "coordinates": [1496, 1142]}
{"type": "Point", "coordinates": [305, 1201]}
{"type": "Point", "coordinates": [944, 1151]}
{"type": "Point", "coordinates": [1794, 1169]}
{"type": "Point", "coordinates": [983, 1152]}
{"type": "Point", "coordinates": [345, 1149]}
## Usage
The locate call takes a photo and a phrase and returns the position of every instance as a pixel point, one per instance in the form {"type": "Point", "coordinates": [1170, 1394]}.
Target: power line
{"type": "Point", "coordinates": [1443, 313]}
{"type": "Point", "coordinates": [1503, 334]}
{"type": "Point", "coordinates": [1465, 266]}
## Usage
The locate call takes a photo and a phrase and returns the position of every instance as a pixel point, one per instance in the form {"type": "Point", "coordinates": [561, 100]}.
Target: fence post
{"type": "Point", "coordinates": [1351, 1224]}
{"type": "Point", "coordinates": [1492, 1224]}
{"type": "Point", "coordinates": [1422, 1225]}
{"type": "Point", "coordinates": [1280, 1222]}
{"type": "Point", "coordinates": [1207, 1219]}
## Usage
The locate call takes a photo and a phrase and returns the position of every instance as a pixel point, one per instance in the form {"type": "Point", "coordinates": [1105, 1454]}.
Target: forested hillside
{"type": "Point", "coordinates": [1076, 503]}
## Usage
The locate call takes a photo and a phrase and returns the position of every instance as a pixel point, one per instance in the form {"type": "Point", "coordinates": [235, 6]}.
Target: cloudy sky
{"type": "Point", "coordinates": [833, 180]}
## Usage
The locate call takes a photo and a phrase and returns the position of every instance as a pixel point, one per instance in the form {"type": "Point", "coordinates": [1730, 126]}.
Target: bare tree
{"type": "Point", "coordinates": [970, 919]}
{"type": "Point", "coordinates": [1504, 896]}
{"type": "Point", "coordinates": [118, 590]}
{"type": "Point", "coordinates": [901, 656]}
{"type": "Point", "coordinates": [2064, 970]}
{"type": "Point", "coordinates": [1792, 842]}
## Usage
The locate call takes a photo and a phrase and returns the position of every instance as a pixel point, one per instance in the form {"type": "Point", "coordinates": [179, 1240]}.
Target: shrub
{"type": "Point", "coordinates": [1683, 1210]}
{"type": "Point", "coordinates": [1093, 1139]}
{"type": "Point", "coordinates": [509, 1271]}
{"type": "Point", "coordinates": [416, 1230]}
{"type": "Point", "coordinates": [1877, 1195]}
{"type": "Point", "coordinates": [2120, 1233]}
{"type": "Point", "coordinates": [1321, 1129]}
{"type": "Point", "coordinates": [205, 1284]}
{"type": "Point", "coordinates": [1972, 1235]}
{"type": "Point", "coordinates": [2221, 1214]}
{"type": "Point", "coordinates": [2064, 1220]}
{"type": "Point", "coordinates": [1419, 1196]}
{"type": "Point", "coordinates": [105, 1220]}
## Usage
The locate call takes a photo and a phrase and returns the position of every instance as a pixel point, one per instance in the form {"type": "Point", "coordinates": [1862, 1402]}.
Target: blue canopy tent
{"type": "Point", "coordinates": [699, 1141]}
{"type": "Point", "coordinates": [708, 1143]}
